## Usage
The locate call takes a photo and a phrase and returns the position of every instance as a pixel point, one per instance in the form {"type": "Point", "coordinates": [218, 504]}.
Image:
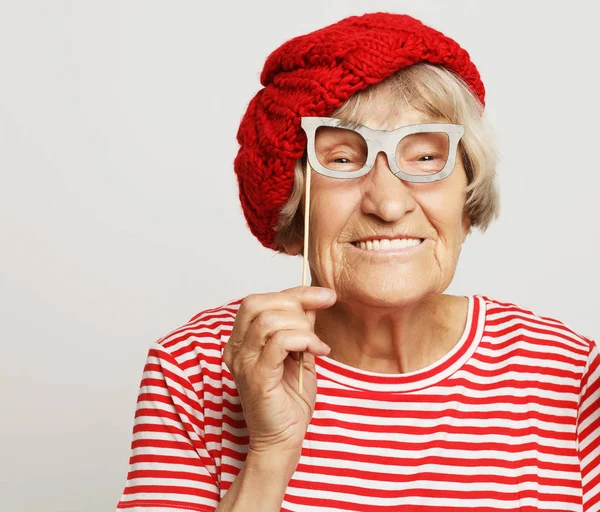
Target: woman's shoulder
{"type": "Point", "coordinates": [503, 318]}
{"type": "Point", "coordinates": [201, 339]}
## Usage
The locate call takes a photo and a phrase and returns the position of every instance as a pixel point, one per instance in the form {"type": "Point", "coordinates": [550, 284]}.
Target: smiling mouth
{"type": "Point", "coordinates": [388, 245]}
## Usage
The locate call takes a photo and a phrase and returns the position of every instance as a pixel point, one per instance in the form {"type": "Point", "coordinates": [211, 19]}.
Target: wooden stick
{"type": "Point", "coordinates": [305, 269]}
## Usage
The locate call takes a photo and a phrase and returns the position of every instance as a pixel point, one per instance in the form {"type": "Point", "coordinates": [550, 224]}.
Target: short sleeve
{"type": "Point", "coordinates": [169, 467]}
{"type": "Point", "coordinates": [588, 431]}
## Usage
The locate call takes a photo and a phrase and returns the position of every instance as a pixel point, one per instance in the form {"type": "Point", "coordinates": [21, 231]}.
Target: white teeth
{"type": "Point", "coordinates": [385, 244]}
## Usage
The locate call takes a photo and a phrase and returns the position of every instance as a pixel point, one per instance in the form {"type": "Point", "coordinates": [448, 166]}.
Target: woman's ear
{"type": "Point", "coordinates": [294, 248]}
{"type": "Point", "coordinates": [296, 245]}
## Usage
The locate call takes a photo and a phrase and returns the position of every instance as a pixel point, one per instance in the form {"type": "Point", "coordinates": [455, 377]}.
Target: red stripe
{"type": "Point", "coordinates": [454, 462]}
{"type": "Point", "coordinates": [400, 398]}
{"type": "Point", "coordinates": [426, 492]}
{"type": "Point", "coordinates": [370, 476]}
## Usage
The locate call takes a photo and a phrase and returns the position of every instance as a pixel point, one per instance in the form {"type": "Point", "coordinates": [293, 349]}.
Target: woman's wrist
{"type": "Point", "coordinates": [261, 484]}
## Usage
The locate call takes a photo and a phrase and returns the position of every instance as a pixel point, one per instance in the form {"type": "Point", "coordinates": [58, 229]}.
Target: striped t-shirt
{"type": "Point", "coordinates": [508, 420]}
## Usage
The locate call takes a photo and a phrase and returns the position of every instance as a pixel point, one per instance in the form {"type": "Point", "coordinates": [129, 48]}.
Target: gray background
{"type": "Point", "coordinates": [119, 216]}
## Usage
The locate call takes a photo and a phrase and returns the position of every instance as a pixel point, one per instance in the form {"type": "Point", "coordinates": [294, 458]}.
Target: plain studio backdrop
{"type": "Point", "coordinates": [119, 214]}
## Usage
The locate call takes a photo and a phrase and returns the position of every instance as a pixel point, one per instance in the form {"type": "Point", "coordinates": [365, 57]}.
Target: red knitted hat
{"type": "Point", "coordinates": [314, 74]}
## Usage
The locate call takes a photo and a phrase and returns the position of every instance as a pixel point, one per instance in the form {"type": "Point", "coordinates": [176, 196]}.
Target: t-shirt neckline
{"type": "Point", "coordinates": [348, 376]}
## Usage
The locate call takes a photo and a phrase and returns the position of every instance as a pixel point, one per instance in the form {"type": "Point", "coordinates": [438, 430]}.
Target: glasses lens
{"type": "Point", "coordinates": [340, 149]}
{"type": "Point", "coordinates": [423, 153]}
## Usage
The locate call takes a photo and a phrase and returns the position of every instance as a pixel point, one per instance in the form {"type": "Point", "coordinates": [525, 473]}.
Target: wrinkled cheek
{"type": "Point", "coordinates": [334, 268]}
{"type": "Point", "coordinates": [324, 264]}
{"type": "Point", "coordinates": [447, 262]}
{"type": "Point", "coordinates": [344, 269]}
{"type": "Point", "coordinates": [444, 257]}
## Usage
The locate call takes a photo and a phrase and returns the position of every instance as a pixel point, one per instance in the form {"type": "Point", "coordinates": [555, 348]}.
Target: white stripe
{"type": "Point", "coordinates": [452, 405]}
{"type": "Point", "coordinates": [382, 421]}
{"type": "Point", "coordinates": [421, 453]}
{"type": "Point", "coordinates": [174, 481]}
{"type": "Point", "coordinates": [361, 435]}
{"type": "Point", "coordinates": [516, 376]}
{"type": "Point", "coordinates": [553, 364]}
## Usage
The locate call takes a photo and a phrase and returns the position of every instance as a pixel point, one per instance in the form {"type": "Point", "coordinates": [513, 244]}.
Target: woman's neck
{"type": "Point", "coordinates": [392, 340]}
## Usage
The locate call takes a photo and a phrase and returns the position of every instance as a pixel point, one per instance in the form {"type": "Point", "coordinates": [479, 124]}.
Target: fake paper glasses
{"type": "Point", "coordinates": [418, 153]}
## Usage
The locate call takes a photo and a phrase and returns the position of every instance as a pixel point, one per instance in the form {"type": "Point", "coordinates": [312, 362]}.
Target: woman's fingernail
{"type": "Point", "coordinates": [327, 294]}
{"type": "Point", "coordinates": [326, 347]}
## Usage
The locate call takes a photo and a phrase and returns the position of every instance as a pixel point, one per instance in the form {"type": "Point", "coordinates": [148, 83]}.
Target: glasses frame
{"type": "Point", "coordinates": [382, 141]}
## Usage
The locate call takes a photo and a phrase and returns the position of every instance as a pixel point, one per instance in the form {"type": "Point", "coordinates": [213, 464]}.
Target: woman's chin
{"type": "Point", "coordinates": [388, 296]}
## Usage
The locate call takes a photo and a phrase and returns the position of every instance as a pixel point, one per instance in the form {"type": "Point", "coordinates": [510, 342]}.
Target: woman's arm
{"type": "Point", "coordinates": [260, 485]}
{"type": "Point", "coordinates": [170, 467]}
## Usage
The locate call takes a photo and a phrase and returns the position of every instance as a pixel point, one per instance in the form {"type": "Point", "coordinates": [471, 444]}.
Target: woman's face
{"type": "Point", "coordinates": [381, 205]}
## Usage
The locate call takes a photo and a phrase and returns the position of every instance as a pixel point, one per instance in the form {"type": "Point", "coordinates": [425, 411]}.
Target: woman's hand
{"type": "Point", "coordinates": [262, 356]}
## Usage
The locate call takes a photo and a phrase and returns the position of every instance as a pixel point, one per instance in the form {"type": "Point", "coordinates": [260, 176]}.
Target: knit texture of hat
{"type": "Point", "coordinates": [314, 74]}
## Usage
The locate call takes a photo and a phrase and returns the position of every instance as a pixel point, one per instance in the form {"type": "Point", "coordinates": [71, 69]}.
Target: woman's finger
{"type": "Point", "coordinates": [296, 299]}
{"type": "Point", "coordinates": [283, 342]}
{"type": "Point", "coordinates": [267, 324]}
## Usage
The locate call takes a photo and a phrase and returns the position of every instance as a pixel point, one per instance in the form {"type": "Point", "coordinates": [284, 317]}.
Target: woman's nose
{"type": "Point", "coordinates": [385, 195]}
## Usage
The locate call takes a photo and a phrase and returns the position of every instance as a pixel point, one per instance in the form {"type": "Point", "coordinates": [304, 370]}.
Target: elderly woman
{"type": "Point", "coordinates": [411, 399]}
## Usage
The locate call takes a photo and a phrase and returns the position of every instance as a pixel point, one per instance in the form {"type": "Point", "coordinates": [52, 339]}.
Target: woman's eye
{"type": "Point", "coordinates": [342, 159]}
{"type": "Point", "coordinates": [429, 157]}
